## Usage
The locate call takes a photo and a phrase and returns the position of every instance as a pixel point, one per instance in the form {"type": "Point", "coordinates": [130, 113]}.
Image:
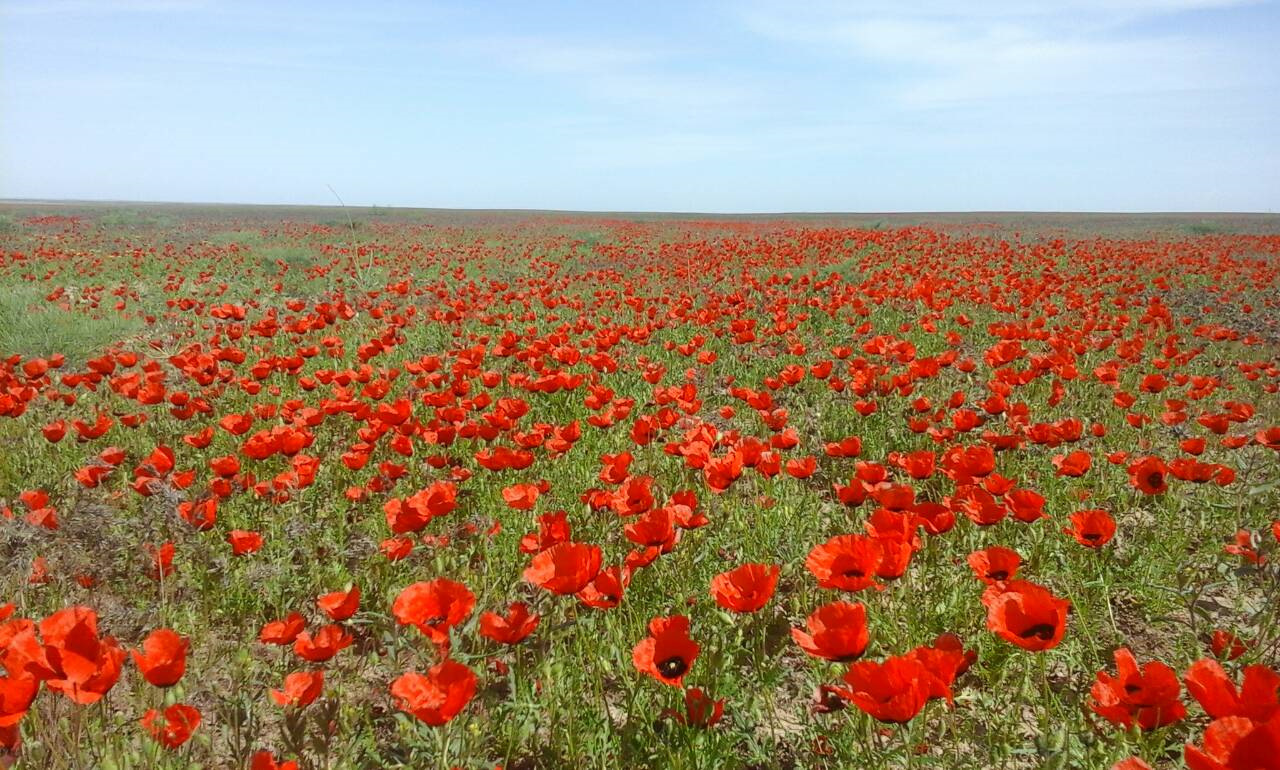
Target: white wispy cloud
{"type": "Point", "coordinates": [939, 52]}
{"type": "Point", "coordinates": [635, 76]}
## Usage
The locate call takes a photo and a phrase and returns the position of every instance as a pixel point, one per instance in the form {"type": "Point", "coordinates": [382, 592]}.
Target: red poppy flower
{"type": "Point", "coordinates": [202, 514]}
{"type": "Point", "coordinates": [846, 562]}
{"type": "Point", "coordinates": [1026, 505]}
{"type": "Point", "coordinates": [512, 629]}
{"type": "Point", "coordinates": [265, 760]}
{"type": "Point", "coordinates": [1269, 437]}
{"type": "Point", "coordinates": [605, 590]}
{"type": "Point", "coordinates": [894, 690]}
{"type": "Point", "coordinates": [979, 505]}
{"type": "Point", "coordinates": [1226, 645]}
{"type": "Point", "coordinates": [565, 568]}
{"type": "Point", "coordinates": [434, 607]}
{"type": "Point", "coordinates": [745, 589]}
{"type": "Point", "coordinates": [553, 529]}
{"type": "Point", "coordinates": [17, 692]}
{"type": "Point", "coordinates": [667, 653]}
{"type": "Point", "coordinates": [1026, 614]}
{"type": "Point", "coordinates": [300, 689]}
{"type": "Point", "coordinates": [1243, 546]}
{"type": "Point", "coordinates": [995, 564]}
{"type": "Point", "coordinates": [952, 643]}
{"type": "Point", "coordinates": [323, 644]}
{"type": "Point", "coordinates": [284, 631]}
{"type": "Point", "coordinates": [943, 662]}
{"type": "Point", "coordinates": [700, 709]}
{"type": "Point", "coordinates": [340, 605]}
{"type": "Point", "coordinates": [801, 467]}
{"type": "Point", "coordinates": [416, 511]}
{"type": "Point", "coordinates": [244, 542]}
{"type": "Point", "coordinates": [1257, 698]}
{"type": "Point", "coordinates": [1237, 743]}
{"type": "Point", "coordinates": [1074, 464]}
{"type": "Point", "coordinates": [163, 659]}
{"type": "Point", "coordinates": [1146, 696]}
{"type": "Point", "coordinates": [654, 529]}
{"type": "Point", "coordinates": [522, 497]}
{"type": "Point", "coordinates": [836, 631]}
{"type": "Point", "coordinates": [75, 661]}
{"type": "Point", "coordinates": [174, 726]}
{"type": "Point", "coordinates": [437, 696]}
{"type": "Point", "coordinates": [396, 548]}
{"type": "Point", "coordinates": [1092, 528]}
{"type": "Point", "coordinates": [1148, 475]}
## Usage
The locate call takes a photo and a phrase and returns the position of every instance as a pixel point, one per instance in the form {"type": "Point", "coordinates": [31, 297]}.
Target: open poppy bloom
{"type": "Point", "coordinates": [1148, 475]}
{"type": "Point", "coordinates": [416, 511]}
{"type": "Point", "coordinates": [436, 696]}
{"type": "Point", "coordinates": [565, 568]}
{"type": "Point", "coordinates": [163, 658]}
{"type": "Point", "coordinates": [1074, 464]}
{"type": "Point", "coordinates": [300, 689]}
{"type": "Point", "coordinates": [74, 660]}
{"type": "Point", "coordinates": [605, 590]}
{"type": "Point", "coordinates": [553, 528]}
{"type": "Point", "coordinates": [434, 607]}
{"type": "Point", "coordinates": [745, 589]}
{"type": "Point", "coordinates": [1146, 696]}
{"type": "Point", "coordinates": [667, 653]}
{"type": "Point", "coordinates": [836, 632]}
{"type": "Point", "coordinates": [172, 727]}
{"type": "Point", "coordinates": [943, 661]}
{"type": "Point", "coordinates": [1237, 743]}
{"type": "Point", "coordinates": [512, 629]}
{"type": "Point", "coordinates": [323, 644]}
{"type": "Point", "coordinates": [17, 692]}
{"type": "Point", "coordinates": [894, 690]}
{"type": "Point", "coordinates": [1092, 528]}
{"type": "Point", "coordinates": [995, 564]}
{"type": "Point", "coordinates": [283, 631]}
{"type": "Point", "coordinates": [1242, 545]}
{"type": "Point", "coordinates": [340, 605]}
{"type": "Point", "coordinates": [846, 562]}
{"type": "Point", "coordinates": [1026, 614]}
{"type": "Point", "coordinates": [1257, 698]}
{"type": "Point", "coordinates": [521, 497]}
{"type": "Point", "coordinates": [244, 542]}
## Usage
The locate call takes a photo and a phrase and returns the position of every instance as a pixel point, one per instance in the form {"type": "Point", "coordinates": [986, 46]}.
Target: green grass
{"type": "Point", "coordinates": [32, 327]}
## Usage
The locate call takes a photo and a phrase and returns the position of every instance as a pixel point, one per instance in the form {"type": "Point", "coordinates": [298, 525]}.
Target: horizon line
{"type": "Point", "coordinates": [528, 210]}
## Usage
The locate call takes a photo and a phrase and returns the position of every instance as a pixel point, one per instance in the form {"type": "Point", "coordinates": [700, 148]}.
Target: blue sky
{"type": "Point", "coordinates": [757, 105]}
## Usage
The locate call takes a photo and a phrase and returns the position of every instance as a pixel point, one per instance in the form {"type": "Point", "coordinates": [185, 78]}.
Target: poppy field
{"type": "Point", "coordinates": [551, 491]}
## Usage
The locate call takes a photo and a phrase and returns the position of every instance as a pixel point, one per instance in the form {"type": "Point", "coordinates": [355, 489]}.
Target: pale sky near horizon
{"type": "Point", "coordinates": [720, 106]}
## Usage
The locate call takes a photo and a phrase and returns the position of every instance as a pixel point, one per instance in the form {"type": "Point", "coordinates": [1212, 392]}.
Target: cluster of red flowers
{"type": "Point", "coordinates": [903, 397]}
{"type": "Point", "coordinates": [1245, 729]}
{"type": "Point", "coordinates": [66, 654]}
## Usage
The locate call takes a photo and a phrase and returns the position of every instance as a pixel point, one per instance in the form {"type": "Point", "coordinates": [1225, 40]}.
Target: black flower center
{"type": "Point", "coordinates": [673, 667]}
{"type": "Point", "coordinates": [1041, 631]}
